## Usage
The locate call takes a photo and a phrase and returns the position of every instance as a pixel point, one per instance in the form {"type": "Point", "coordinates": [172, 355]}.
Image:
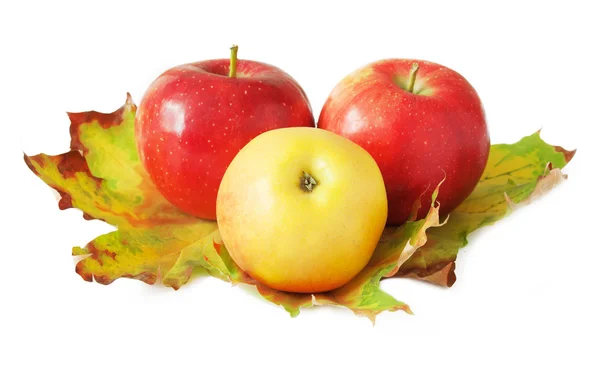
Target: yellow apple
{"type": "Point", "coordinates": [301, 209]}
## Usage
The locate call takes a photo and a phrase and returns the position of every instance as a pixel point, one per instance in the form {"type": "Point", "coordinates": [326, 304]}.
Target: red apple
{"type": "Point", "coordinates": [194, 118]}
{"type": "Point", "coordinates": [421, 122]}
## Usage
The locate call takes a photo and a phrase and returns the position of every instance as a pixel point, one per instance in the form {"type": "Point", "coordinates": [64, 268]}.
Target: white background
{"type": "Point", "coordinates": [526, 299]}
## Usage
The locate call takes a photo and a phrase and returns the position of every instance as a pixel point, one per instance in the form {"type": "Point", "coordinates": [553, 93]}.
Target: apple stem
{"type": "Point", "coordinates": [412, 77]}
{"type": "Point", "coordinates": [307, 182]}
{"type": "Point", "coordinates": [233, 61]}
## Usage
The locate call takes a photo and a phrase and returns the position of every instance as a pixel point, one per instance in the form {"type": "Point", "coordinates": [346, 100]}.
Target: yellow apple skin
{"type": "Point", "coordinates": [293, 239]}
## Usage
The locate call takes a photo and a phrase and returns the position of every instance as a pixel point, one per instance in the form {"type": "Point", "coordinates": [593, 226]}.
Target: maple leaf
{"type": "Point", "coordinates": [103, 176]}
{"type": "Point", "coordinates": [515, 175]}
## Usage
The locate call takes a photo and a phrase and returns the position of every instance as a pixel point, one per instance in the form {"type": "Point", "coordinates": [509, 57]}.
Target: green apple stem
{"type": "Point", "coordinates": [233, 61]}
{"type": "Point", "coordinates": [307, 182]}
{"type": "Point", "coordinates": [412, 77]}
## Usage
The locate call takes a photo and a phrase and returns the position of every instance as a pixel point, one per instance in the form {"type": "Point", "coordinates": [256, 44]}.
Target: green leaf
{"type": "Point", "coordinates": [103, 177]}
{"type": "Point", "coordinates": [515, 175]}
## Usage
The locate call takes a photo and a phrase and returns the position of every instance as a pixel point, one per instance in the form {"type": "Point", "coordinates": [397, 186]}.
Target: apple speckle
{"type": "Point", "coordinates": [245, 92]}
{"type": "Point", "coordinates": [212, 87]}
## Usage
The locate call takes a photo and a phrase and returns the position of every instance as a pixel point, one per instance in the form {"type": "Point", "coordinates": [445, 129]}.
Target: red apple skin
{"type": "Point", "coordinates": [417, 138]}
{"type": "Point", "coordinates": [193, 120]}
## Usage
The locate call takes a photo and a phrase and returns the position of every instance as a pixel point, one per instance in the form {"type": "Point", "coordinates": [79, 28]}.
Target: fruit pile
{"type": "Point", "coordinates": [222, 168]}
{"type": "Point", "coordinates": [395, 129]}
